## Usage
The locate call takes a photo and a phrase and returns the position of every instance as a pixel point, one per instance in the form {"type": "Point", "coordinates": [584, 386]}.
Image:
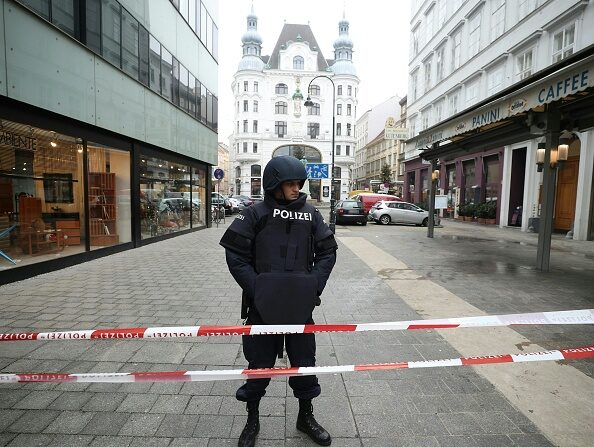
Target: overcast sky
{"type": "Point", "coordinates": [379, 30]}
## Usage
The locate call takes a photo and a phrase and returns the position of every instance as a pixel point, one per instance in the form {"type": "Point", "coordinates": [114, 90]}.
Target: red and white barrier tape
{"type": "Point", "coordinates": [230, 374]}
{"type": "Point", "coordinates": [585, 316]}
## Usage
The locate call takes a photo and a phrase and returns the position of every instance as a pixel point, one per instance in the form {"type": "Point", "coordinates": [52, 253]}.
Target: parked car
{"type": "Point", "coordinates": [369, 199]}
{"type": "Point", "coordinates": [219, 200]}
{"type": "Point", "coordinates": [256, 198]}
{"type": "Point", "coordinates": [236, 205]}
{"type": "Point", "coordinates": [245, 200]}
{"type": "Point", "coordinates": [350, 211]}
{"type": "Point", "coordinates": [386, 212]}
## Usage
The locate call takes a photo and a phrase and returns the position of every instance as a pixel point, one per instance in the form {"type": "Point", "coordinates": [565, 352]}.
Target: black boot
{"type": "Point", "coordinates": [252, 426]}
{"type": "Point", "coordinates": [308, 424]}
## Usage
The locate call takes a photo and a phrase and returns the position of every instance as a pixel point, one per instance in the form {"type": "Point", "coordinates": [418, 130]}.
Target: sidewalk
{"type": "Point", "coordinates": [149, 286]}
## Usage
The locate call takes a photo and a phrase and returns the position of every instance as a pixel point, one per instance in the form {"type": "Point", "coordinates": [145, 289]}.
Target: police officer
{"type": "Point", "coordinates": [281, 252]}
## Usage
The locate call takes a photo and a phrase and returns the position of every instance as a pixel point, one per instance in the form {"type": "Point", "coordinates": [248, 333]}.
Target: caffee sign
{"type": "Point", "coordinates": [17, 141]}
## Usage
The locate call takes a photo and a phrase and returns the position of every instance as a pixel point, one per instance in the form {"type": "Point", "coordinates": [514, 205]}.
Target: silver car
{"type": "Point", "coordinates": [398, 212]}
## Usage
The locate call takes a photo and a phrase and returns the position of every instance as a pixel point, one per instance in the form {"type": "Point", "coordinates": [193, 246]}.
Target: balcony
{"type": "Point", "coordinates": [245, 157]}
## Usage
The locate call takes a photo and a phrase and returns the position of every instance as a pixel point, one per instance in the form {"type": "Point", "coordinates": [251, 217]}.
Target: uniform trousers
{"type": "Point", "coordinates": [261, 352]}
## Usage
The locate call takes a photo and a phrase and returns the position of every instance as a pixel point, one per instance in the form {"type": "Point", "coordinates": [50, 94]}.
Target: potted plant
{"type": "Point", "coordinates": [491, 212]}
{"type": "Point", "coordinates": [461, 211]}
{"type": "Point", "coordinates": [482, 212]}
{"type": "Point", "coordinates": [469, 212]}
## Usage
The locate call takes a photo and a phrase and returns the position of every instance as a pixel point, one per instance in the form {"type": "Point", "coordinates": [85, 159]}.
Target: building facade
{"type": "Point", "coordinates": [222, 163]}
{"type": "Point", "coordinates": [373, 150]}
{"type": "Point", "coordinates": [108, 116]}
{"type": "Point", "coordinates": [480, 92]}
{"type": "Point", "coordinates": [270, 116]}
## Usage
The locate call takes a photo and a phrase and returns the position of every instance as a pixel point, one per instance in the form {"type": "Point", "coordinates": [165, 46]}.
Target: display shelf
{"type": "Point", "coordinates": [102, 209]}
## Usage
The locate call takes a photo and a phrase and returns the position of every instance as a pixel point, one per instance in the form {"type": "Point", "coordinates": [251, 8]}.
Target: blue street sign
{"type": "Point", "coordinates": [317, 170]}
{"type": "Point", "coordinates": [219, 174]}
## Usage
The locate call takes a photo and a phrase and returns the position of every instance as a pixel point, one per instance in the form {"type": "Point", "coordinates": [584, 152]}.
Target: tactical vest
{"type": "Point", "coordinates": [284, 239]}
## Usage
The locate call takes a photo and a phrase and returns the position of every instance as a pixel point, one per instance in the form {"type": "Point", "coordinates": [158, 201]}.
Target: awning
{"type": "Point", "coordinates": [562, 83]}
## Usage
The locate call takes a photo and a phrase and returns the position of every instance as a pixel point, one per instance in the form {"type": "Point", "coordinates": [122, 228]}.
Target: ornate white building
{"type": "Point", "coordinates": [270, 116]}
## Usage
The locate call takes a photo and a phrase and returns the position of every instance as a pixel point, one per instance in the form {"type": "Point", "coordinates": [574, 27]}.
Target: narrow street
{"type": "Point", "coordinates": [383, 273]}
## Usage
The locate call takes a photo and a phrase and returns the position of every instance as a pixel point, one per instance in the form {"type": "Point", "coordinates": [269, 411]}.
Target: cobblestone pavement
{"type": "Point", "coordinates": [184, 281]}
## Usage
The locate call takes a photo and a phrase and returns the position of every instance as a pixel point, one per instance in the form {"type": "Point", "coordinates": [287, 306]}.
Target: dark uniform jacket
{"type": "Point", "coordinates": [281, 255]}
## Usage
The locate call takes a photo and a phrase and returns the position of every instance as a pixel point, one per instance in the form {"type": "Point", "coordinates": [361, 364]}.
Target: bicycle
{"type": "Point", "coordinates": [218, 213]}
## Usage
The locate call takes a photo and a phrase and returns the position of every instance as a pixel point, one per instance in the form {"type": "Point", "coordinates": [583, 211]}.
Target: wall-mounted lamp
{"type": "Point", "coordinates": [540, 156]}
{"type": "Point", "coordinates": [435, 175]}
{"type": "Point", "coordinates": [53, 140]}
{"type": "Point", "coordinates": [561, 153]}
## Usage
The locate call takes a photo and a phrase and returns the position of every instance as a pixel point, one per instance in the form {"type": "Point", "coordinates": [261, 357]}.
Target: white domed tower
{"type": "Point", "coordinates": [347, 86]}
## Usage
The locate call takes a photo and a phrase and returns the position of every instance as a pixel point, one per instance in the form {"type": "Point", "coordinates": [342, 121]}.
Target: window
{"type": "Point", "coordinates": [154, 65]}
{"type": "Point", "coordinates": [525, 64]}
{"type": "Point", "coordinates": [255, 126]}
{"type": "Point", "coordinates": [175, 82]}
{"type": "Point", "coordinates": [413, 85]}
{"type": "Point", "coordinates": [245, 106]}
{"type": "Point", "coordinates": [313, 130]}
{"type": "Point", "coordinates": [62, 14]}
{"type": "Point", "coordinates": [245, 86]}
{"type": "Point", "coordinates": [453, 102]}
{"type": "Point", "coordinates": [349, 90]}
{"type": "Point", "coordinates": [338, 149]}
{"type": "Point", "coordinates": [415, 41]}
{"type": "Point", "coordinates": [497, 18]}
{"type": "Point", "coordinates": [439, 111]}
{"type": "Point", "coordinates": [338, 129]}
{"type": "Point", "coordinates": [413, 126]}
{"type": "Point", "coordinates": [348, 130]}
{"type": "Point", "coordinates": [255, 106]}
{"type": "Point", "coordinates": [427, 69]}
{"type": "Point", "coordinates": [563, 43]}
{"type": "Point", "coordinates": [314, 90]}
{"type": "Point", "coordinates": [255, 148]}
{"type": "Point", "coordinates": [439, 59]}
{"type": "Point", "coordinates": [347, 151]}
{"type": "Point", "coordinates": [143, 48]}
{"type": "Point", "coordinates": [280, 108]}
{"type": "Point", "coordinates": [348, 109]}
{"type": "Point", "coordinates": [297, 63]}
{"type": "Point", "coordinates": [339, 91]}
{"type": "Point", "coordinates": [495, 80]}
{"type": "Point", "coordinates": [429, 29]}
{"type": "Point", "coordinates": [93, 25]}
{"type": "Point", "coordinates": [456, 49]}
{"type": "Point", "coordinates": [281, 89]}
{"type": "Point", "coordinates": [474, 34]}
{"type": "Point", "coordinates": [339, 109]}
{"type": "Point", "coordinates": [280, 128]}
{"type": "Point", "coordinates": [313, 109]}
{"type": "Point", "coordinates": [111, 13]}
{"type": "Point", "coordinates": [441, 13]}
{"type": "Point", "coordinates": [526, 7]}
{"type": "Point", "coordinates": [166, 74]}
{"type": "Point", "coordinates": [256, 171]}
{"type": "Point", "coordinates": [183, 88]}
{"type": "Point", "coordinates": [244, 147]}
{"type": "Point", "coordinates": [255, 87]}
{"type": "Point", "coordinates": [245, 125]}
{"type": "Point", "coordinates": [192, 94]}
{"type": "Point", "coordinates": [425, 118]}
{"type": "Point", "coordinates": [472, 92]}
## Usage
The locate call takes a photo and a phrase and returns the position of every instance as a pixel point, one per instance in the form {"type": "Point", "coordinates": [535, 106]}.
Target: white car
{"type": "Point", "coordinates": [385, 212]}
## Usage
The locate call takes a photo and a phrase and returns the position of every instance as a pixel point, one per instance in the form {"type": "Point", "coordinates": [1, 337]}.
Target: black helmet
{"type": "Point", "coordinates": [281, 169]}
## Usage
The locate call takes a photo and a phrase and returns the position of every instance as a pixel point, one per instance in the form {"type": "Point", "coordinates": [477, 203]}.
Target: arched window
{"type": "Point", "coordinates": [311, 154]}
{"type": "Point", "coordinates": [314, 109]}
{"type": "Point", "coordinates": [256, 171]}
{"type": "Point", "coordinates": [237, 172]}
{"type": "Point", "coordinates": [297, 63]}
{"type": "Point", "coordinates": [281, 89]}
{"type": "Point", "coordinates": [280, 108]}
{"type": "Point", "coordinates": [314, 90]}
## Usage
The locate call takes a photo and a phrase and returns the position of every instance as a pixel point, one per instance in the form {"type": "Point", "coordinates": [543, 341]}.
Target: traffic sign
{"type": "Point", "coordinates": [317, 170]}
{"type": "Point", "coordinates": [219, 174]}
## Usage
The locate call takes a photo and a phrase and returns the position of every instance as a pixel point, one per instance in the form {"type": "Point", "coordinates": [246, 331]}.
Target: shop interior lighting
{"type": "Point", "coordinates": [53, 142]}
{"type": "Point", "coordinates": [435, 175]}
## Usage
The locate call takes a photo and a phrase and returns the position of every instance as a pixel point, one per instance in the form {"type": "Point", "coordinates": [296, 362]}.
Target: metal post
{"type": "Point", "coordinates": [431, 222]}
{"type": "Point", "coordinates": [549, 180]}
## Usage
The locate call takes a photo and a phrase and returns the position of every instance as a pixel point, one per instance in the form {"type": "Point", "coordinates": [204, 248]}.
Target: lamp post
{"type": "Point", "coordinates": [309, 103]}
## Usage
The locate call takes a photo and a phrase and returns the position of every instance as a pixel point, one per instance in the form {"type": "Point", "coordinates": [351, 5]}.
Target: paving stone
{"type": "Point", "coordinates": [150, 442]}
{"type": "Point", "coordinates": [211, 426]}
{"type": "Point", "coordinates": [455, 441]}
{"type": "Point", "coordinates": [189, 442]}
{"type": "Point", "coordinates": [9, 397]}
{"type": "Point", "coordinates": [104, 402]}
{"type": "Point", "coordinates": [142, 425]}
{"type": "Point", "coordinates": [37, 400]}
{"type": "Point", "coordinates": [70, 400]}
{"type": "Point", "coordinates": [170, 404]}
{"type": "Point", "coordinates": [33, 421]}
{"type": "Point", "coordinates": [461, 424]}
{"type": "Point", "coordinates": [137, 403]}
{"type": "Point", "coordinates": [111, 441]}
{"type": "Point", "coordinates": [69, 422]}
{"type": "Point", "coordinates": [70, 441]}
{"type": "Point", "coordinates": [105, 423]}
{"type": "Point", "coordinates": [5, 438]}
{"type": "Point", "coordinates": [31, 440]}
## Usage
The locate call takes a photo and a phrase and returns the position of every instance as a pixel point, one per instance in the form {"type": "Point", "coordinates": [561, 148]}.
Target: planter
{"type": "Point", "coordinates": [468, 218]}
{"type": "Point", "coordinates": [482, 220]}
{"type": "Point", "coordinates": [491, 221]}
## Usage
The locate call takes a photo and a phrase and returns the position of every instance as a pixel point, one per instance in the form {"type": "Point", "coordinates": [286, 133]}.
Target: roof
{"type": "Point", "coordinates": [290, 32]}
{"type": "Point", "coordinates": [379, 137]}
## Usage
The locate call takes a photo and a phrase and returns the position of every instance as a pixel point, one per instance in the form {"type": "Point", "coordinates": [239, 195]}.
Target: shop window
{"type": "Point", "coordinates": [492, 177]}
{"type": "Point", "coordinates": [198, 197]}
{"type": "Point", "coordinates": [110, 212]}
{"type": "Point", "coordinates": [470, 186]}
{"type": "Point", "coordinates": [111, 13]}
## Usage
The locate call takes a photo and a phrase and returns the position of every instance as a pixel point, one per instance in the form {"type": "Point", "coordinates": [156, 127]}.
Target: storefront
{"type": "Point", "coordinates": [70, 193]}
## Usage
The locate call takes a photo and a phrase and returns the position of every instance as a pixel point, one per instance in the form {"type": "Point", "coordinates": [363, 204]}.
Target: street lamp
{"type": "Point", "coordinates": [309, 103]}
